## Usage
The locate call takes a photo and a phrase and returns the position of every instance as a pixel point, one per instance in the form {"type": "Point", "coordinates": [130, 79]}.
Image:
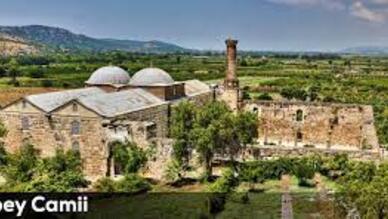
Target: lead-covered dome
{"type": "Point", "coordinates": [151, 76]}
{"type": "Point", "coordinates": [109, 75]}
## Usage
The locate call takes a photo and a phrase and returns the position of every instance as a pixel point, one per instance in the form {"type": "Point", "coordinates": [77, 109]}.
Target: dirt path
{"type": "Point", "coordinates": [287, 212]}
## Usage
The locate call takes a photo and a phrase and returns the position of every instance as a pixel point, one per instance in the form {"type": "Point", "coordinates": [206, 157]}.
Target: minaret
{"type": "Point", "coordinates": [230, 93]}
{"type": "Point", "coordinates": [231, 81]}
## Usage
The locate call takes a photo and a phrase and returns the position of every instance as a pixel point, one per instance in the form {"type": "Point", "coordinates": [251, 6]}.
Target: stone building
{"type": "Point", "coordinates": [112, 107]}
{"type": "Point", "coordinates": [302, 124]}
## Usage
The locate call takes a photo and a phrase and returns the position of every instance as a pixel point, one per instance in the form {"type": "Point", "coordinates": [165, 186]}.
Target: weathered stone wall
{"type": "Point", "coordinates": [253, 153]}
{"type": "Point", "coordinates": [157, 115]}
{"type": "Point", "coordinates": [49, 133]}
{"type": "Point", "coordinates": [321, 125]}
{"type": "Point", "coordinates": [232, 98]}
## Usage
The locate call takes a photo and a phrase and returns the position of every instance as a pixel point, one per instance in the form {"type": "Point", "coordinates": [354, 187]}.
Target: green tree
{"type": "Point", "coordinates": [217, 130]}
{"type": "Point", "coordinates": [130, 157]}
{"type": "Point", "coordinates": [21, 165]}
{"type": "Point", "coordinates": [369, 198]}
{"type": "Point", "coordinates": [13, 70]}
{"type": "Point", "coordinates": [182, 122]}
{"type": "Point", "coordinates": [25, 172]}
{"type": "Point", "coordinates": [206, 133]}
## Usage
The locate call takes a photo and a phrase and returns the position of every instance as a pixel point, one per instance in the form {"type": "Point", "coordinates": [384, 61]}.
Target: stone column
{"type": "Point", "coordinates": [231, 81]}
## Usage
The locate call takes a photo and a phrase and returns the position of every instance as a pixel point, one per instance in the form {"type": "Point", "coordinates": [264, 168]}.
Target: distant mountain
{"type": "Point", "coordinates": [367, 50]}
{"type": "Point", "coordinates": [52, 38]}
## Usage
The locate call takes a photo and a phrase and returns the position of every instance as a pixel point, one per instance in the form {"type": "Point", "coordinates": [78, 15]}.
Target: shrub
{"type": "Point", "coordinates": [130, 157]}
{"type": "Point", "coordinates": [25, 172]}
{"type": "Point", "coordinates": [225, 183]}
{"type": "Point", "coordinates": [132, 183]}
{"type": "Point", "coordinates": [47, 83]}
{"type": "Point", "coordinates": [105, 184]}
{"type": "Point", "coordinates": [264, 96]}
{"type": "Point", "coordinates": [3, 156]}
{"type": "Point", "coordinates": [252, 172]}
{"type": "Point", "coordinates": [173, 171]}
{"type": "Point", "coordinates": [20, 166]}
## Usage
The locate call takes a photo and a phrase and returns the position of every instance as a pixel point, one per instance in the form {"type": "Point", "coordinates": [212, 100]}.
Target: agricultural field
{"type": "Point", "coordinates": [311, 77]}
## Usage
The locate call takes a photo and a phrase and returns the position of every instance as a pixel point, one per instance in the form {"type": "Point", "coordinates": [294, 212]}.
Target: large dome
{"type": "Point", "coordinates": [109, 75]}
{"type": "Point", "coordinates": [151, 76]}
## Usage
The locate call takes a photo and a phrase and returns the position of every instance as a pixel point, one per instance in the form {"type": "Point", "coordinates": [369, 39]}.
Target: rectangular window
{"type": "Point", "coordinates": [25, 123]}
{"type": "Point", "coordinates": [151, 130]}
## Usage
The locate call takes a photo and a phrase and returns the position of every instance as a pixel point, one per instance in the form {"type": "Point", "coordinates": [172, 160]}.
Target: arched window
{"type": "Point", "coordinates": [299, 136]}
{"type": "Point", "coordinates": [299, 115]}
{"type": "Point", "coordinates": [75, 128]}
{"type": "Point", "coordinates": [25, 123]}
{"type": "Point", "coordinates": [75, 146]}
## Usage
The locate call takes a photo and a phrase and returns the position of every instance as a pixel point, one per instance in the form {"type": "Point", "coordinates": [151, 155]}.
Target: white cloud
{"type": "Point", "coordinates": [328, 4]}
{"type": "Point", "coordinates": [358, 9]}
{"type": "Point", "coordinates": [382, 2]}
{"type": "Point", "coordinates": [375, 11]}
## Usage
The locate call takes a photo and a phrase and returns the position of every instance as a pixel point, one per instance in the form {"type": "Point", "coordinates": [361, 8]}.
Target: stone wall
{"type": "Point", "coordinates": [49, 132]}
{"type": "Point", "coordinates": [253, 153]}
{"type": "Point", "coordinates": [321, 125]}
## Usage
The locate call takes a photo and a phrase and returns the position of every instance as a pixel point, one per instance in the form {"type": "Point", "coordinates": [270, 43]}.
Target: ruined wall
{"type": "Point", "coordinates": [300, 124]}
{"type": "Point", "coordinates": [253, 153]}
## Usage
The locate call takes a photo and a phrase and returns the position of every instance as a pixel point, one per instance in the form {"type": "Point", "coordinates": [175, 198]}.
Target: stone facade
{"type": "Point", "coordinates": [321, 125]}
{"type": "Point", "coordinates": [27, 124]}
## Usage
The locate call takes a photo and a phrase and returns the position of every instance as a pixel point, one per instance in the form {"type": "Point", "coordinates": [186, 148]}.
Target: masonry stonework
{"type": "Point", "coordinates": [321, 125]}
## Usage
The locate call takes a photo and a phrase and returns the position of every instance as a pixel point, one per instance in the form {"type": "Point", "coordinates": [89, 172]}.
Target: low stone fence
{"type": "Point", "coordinates": [251, 153]}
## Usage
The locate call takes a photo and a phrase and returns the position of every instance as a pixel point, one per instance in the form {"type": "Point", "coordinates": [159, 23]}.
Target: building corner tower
{"type": "Point", "coordinates": [230, 93]}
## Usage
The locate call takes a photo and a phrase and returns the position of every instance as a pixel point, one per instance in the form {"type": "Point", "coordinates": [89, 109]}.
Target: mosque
{"type": "Point", "coordinates": [116, 107]}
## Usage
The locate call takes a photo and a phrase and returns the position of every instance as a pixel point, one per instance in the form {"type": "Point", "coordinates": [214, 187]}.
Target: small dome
{"type": "Point", "coordinates": [109, 75]}
{"type": "Point", "coordinates": [151, 76]}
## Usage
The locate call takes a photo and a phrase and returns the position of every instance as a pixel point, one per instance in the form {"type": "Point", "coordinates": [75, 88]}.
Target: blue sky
{"type": "Point", "coordinates": [325, 25]}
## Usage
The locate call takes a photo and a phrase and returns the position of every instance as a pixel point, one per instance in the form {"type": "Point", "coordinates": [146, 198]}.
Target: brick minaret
{"type": "Point", "coordinates": [231, 81]}
{"type": "Point", "coordinates": [230, 93]}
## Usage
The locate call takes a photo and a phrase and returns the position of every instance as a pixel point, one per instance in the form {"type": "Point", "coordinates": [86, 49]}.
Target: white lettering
{"type": "Point", "coordinates": [20, 207]}
{"type": "Point", "coordinates": [34, 204]}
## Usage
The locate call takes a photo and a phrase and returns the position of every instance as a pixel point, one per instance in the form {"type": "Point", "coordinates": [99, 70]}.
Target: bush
{"type": "Point", "coordinates": [252, 172]}
{"type": "Point", "coordinates": [274, 169]}
{"type": "Point", "coordinates": [21, 165]}
{"type": "Point", "coordinates": [130, 157]}
{"type": "Point", "coordinates": [173, 171]}
{"type": "Point", "coordinates": [36, 73]}
{"type": "Point", "coordinates": [264, 96]}
{"type": "Point", "coordinates": [25, 172]}
{"type": "Point", "coordinates": [225, 183]}
{"type": "Point", "coordinates": [304, 169]}
{"type": "Point", "coordinates": [105, 184]}
{"type": "Point", "coordinates": [131, 183]}
{"type": "Point", "coordinates": [47, 83]}
{"type": "Point", "coordinates": [3, 156]}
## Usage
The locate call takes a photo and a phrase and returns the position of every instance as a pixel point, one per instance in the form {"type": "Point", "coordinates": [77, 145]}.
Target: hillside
{"type": "Point", "coordinates": [15, 46]}
{"type": "Point", "coordinates": [53, 38]}
{"type": "Point", "coordinates": [367, 50]}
